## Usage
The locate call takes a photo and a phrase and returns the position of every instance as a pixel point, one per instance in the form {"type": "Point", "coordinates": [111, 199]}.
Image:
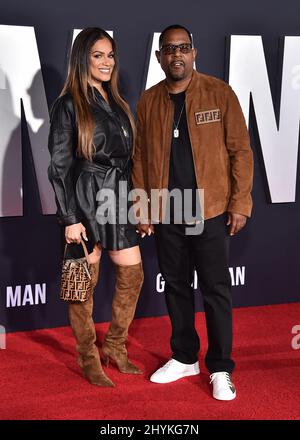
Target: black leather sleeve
{"type": "Point", "coordinates": [62, 146]}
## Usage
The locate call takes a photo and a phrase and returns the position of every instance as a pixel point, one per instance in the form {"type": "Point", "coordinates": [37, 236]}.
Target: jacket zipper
{"type": "Point", "coordinates": [169, 139]}
{"type": "Point", "coordinates": [187, 123]}
{"type": "Point", "coordinates": [166, 157]}
{"type": "Point", "coordinates": [195, 171]}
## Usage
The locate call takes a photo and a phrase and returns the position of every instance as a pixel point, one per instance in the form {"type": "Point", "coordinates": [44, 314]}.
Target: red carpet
{"type": "Point", "coordinates": [41, 380]}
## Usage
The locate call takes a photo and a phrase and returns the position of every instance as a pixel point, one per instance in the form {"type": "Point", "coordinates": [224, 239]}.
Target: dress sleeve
{"type": "Point", "coordinates": [62, 146]}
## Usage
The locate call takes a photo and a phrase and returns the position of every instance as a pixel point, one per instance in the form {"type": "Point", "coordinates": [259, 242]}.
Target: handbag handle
{"type": "Point", "coordinates": [84, 250]}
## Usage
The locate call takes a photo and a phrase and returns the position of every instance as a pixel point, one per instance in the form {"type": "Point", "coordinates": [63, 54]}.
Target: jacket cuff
{"type": "Point", "coordinates": [240, 208]}
{"type": "Point", "coordinates": [67, 220]}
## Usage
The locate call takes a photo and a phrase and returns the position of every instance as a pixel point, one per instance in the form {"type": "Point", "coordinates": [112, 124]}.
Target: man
{"type": "Point", "coordinates": [191, 134]}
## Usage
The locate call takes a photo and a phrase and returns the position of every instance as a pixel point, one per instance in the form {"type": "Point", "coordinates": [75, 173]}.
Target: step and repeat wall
{"type": "Point", "coordinates": [255, 46]}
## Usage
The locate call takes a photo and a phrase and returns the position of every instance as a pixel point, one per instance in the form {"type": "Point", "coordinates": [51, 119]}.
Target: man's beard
{"type": "Point", "coordinates": [178, 77]}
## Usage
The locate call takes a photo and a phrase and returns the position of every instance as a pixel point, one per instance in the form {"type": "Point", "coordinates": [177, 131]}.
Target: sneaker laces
{"type": "Point", "coordinates": [225, 375]}
{"type": "Point", "coordinates": [166, 366]}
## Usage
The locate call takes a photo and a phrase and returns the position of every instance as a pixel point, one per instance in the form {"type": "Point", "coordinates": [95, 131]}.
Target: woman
{"type": "Point", "coordinates": [90, 143]}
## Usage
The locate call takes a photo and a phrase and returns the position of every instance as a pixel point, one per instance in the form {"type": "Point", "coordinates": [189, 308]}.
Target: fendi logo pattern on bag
{"type": "Point", "coordinates": [208, 116]}
{"type": "Point", "coordinates": [75, 282]}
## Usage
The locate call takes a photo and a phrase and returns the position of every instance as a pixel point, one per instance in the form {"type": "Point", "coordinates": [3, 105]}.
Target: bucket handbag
{"type": "Point", "coordinates": [76, 282]}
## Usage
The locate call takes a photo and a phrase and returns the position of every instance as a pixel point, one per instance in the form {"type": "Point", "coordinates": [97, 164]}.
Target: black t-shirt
{"type": "Point", "coordinates": [182, 171]}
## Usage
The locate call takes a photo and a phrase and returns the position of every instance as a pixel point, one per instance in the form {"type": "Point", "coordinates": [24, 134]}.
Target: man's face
{"type": "Point", "coordinates": [177, 64]}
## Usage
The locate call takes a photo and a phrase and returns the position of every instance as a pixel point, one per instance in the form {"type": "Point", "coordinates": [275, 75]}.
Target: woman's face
{"type": "Point", "coordinates": [101, 62]}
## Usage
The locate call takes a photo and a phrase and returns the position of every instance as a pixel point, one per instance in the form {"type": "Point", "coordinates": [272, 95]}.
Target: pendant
{"type": "Point", "coordinates": [125, 131]}
{"type": "Point", "coordinates": [176, 133]}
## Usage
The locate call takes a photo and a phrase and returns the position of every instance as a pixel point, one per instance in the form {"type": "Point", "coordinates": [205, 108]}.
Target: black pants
{"type": "Point", "coordinates": [178, 255]}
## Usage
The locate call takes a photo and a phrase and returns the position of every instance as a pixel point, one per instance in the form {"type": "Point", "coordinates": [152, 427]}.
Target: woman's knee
{"type": "Point", "coordinates": [126, 257]}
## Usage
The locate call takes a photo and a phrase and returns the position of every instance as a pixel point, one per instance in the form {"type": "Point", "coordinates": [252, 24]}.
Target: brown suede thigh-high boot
{"type": "Point", "coordinates": [129, 280]}
{"type": "Point", "coordinates": [82, 324]}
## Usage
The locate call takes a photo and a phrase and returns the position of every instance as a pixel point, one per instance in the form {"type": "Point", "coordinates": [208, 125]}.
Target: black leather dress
{"type": "Point", "coordinates": [76, 181]}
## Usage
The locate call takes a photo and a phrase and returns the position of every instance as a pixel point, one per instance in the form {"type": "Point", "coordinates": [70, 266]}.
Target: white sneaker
{"type": "Point", "coordinates": [174, 370]}
{"type": "Point", "coordinates": [223, 387]}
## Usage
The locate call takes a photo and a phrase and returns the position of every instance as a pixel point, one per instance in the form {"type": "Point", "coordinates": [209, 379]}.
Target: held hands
{"type": "Point", "coordinates": [145, 229]}
{"type": "Point", "coordinates": [74, 232]}
{"type": "Point", "coordinates": [236, 222]}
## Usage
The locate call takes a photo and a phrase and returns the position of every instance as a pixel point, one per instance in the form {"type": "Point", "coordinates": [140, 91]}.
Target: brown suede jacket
{"type": "Point", "coordinates": [221, 149]}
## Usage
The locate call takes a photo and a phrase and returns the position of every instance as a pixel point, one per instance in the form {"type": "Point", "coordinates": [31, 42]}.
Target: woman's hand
{"type": "Point", "coordinates": [145, 229]}
{"type": "Point", "coordinates": [74, 232]}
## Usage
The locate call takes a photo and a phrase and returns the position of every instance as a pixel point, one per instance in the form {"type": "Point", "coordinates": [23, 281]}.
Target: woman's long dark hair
{"type": "Point", "coordinates": [77, 83]}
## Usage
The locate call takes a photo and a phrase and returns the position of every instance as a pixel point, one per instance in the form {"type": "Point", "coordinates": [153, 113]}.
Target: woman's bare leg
{"type": "Point", "coordinates": [95, 255]}
{"type": "Point", "coordinates": [126, 257]}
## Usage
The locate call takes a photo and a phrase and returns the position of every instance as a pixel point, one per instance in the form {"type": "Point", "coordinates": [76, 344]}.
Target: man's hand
{"type": "Point", "coordinates": [236, 222]}
{"type": "Point", "coordinates": [145, 229]}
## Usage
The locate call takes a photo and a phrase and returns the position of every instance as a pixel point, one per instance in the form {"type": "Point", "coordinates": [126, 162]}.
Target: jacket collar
{"type": "Point", "coordinates": [99, 100]}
